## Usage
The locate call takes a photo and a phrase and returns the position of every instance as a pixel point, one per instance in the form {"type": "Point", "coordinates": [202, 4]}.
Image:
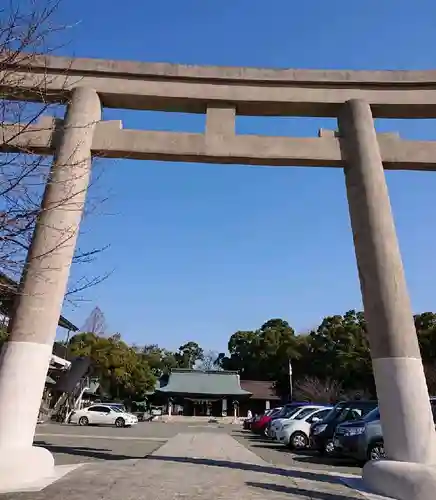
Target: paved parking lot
{"type": "Point", "coordinates": [72, 444]}
{"type": "Point", "coordinates": [192, 461]}
{"type": "Point", "coordinates": [277, 454]}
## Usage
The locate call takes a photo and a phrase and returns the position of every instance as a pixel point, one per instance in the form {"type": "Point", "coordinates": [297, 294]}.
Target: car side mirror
{"type": "Point", "coordinates": [316, 420]}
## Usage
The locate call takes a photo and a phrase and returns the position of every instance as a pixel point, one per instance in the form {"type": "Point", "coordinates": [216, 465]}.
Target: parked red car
{"type": "Point", "coordinates": [259, 424]}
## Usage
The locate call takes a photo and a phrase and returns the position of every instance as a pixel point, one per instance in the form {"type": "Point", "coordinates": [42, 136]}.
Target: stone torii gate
{"type": "Point", "coordinates": [354, 97]}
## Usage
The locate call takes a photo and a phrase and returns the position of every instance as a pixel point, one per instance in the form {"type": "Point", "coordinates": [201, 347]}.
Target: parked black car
{"type": "Point", "coordinates": [321, 433]}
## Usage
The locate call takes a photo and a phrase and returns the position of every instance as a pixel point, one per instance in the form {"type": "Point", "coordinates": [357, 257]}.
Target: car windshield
{"type": "Point", "coordinates": [116, 408]}
{"type": "Point", "coordinates": [350, 413]}
{"type": "Point", "coordinates": [287, 411]}
{"type": "Point", "coordinates": [291, 411]}
{"type": "Point", "coordinates": [372, 415]}
{"type": "Point", "coordinates": [304, 413]}
{"type": "Point", "coordinates": [280, 413]}
{"type": "Point", "coordinates": [334, 412]}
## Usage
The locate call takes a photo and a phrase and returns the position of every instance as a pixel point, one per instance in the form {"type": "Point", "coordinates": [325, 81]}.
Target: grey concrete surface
{"type": "Point", "coordinates": [142, 429]}
{"type": "Point", "coordinates": [73, 444]}
{"type": "Point", "coordinates": [401, 480]}
{"type": "Point", "coordinates": [197, 466]}
{"type": "Point", "coordinates": [254, 91]}
{"type": "Point", "coordinates": [61, 64]}
{"type": "Point", "coordinates": [37, 307]}
{"type": "Point", "coordinates": [406, 414]}
{"type": "Point", "coordinates": [84, 449]}
{"type": "Point", "coordinates": [277, 454]}
{"type": "Point", "coordinates": [111, 141]}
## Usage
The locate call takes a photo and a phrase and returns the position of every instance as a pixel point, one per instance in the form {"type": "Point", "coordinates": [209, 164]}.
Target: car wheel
{"type": "Point", "coordinates": [120, 422]}
{"type": "Point", "coordinates": [83, 421]}
{"type": "Point", "coordinates": [329, 447]}
{"type": "Point", "coordinates": [376, 451]}
{"type": "Point", "coordinates": [299, 441]}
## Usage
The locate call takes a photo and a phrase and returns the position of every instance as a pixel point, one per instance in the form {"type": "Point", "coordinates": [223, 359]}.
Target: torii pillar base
{"type": "Point", "coordinates": [401, 480]}
{"type": "Point", "coordinates": [21, 468]}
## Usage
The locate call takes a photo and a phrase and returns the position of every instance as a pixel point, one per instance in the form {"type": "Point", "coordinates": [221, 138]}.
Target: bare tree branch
{"type": "Point", "coordinates": [28, 29]}
{"type": "Point", "coordinates": [314, 389]}
{"type": "Point", "coordinates": [95, 323]}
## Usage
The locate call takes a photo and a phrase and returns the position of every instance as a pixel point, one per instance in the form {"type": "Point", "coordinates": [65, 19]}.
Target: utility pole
{"type": "Point", "coordinates": [290, 380]}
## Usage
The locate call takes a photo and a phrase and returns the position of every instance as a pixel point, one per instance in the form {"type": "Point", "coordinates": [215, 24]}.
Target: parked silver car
{"type": "Point", "coordinates": [363, 439]}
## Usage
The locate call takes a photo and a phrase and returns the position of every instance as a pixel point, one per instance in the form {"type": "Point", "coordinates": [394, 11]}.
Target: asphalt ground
{"type": "Point", "coordinates": [277, 454]}
{"type": "Point", "coordinates": [72, 444]}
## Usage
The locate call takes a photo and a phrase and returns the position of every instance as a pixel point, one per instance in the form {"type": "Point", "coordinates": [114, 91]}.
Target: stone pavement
{"type": "Point", "coordinates": [196, 467]}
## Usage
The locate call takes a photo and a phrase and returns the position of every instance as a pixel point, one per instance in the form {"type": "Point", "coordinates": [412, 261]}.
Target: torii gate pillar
{"type": "Point", "coordinates": [25, 357]}
{"type": "Point", "coordinates": [408, 428]}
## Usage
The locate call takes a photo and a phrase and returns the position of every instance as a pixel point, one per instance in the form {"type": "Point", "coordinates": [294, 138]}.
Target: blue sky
{"type": "Point", "coordinates": [200, 251]}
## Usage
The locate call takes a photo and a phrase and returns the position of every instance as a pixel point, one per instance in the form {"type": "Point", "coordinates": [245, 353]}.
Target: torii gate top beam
{"type": "Point", "coordinates": [251, 91]}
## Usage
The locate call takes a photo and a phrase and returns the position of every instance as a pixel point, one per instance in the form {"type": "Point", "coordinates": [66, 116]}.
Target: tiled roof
{"type": "Point", "coordinates": [260, 389]}
{"type": "Point", "coordinates": [216, 383]}
{"type": "Point", "coordinates": [8, 288]}
{"type": "Point", "coordinates": [157, 386]}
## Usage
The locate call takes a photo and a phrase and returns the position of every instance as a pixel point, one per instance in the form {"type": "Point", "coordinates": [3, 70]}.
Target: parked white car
{"type": "Point", "coordinates": [103, 415]}
{"type": "Point", "coordinates": [277, 424]}
{"type": "Point", "coordinates": [295, 432]}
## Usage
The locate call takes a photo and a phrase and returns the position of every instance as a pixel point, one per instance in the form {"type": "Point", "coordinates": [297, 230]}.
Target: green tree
{"type": "Point", "coordinates": [242, 357]}
{"type": "Point", "coordinates": [339, 350]}
{"type": "Point", "coordinates": [3, 335]}
{"type": "Point", "coordinates": [161, 361]}
{"type": "Point", "coordinates": [263, 354]}
{"type": "Point", "coordinates": [189, 354]}
{"type": "Point", "coordinates": [277, 346]}
{"type": "Point", "coordinates": [332, 359]}
{"type": "Point", "coordinates": [425, 324]}
{"type": "Point", "coordinates": [336, 352]}
{"type": "Point", "coordinates": [122, 371]}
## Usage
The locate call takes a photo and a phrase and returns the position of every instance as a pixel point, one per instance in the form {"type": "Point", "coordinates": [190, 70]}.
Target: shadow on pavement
{"type": "Point", "coordinates": [313, 476]}
{"type": "Point", "coordinates": [258, 439]}
{"type": "Point", "coordinates": [294, 491]}
{"type": "Point", "coordinates": [303, 456]}
{"type": "Point", "coordinates": [268, 445]}
{"type": "Point", "coordinates": [83, 451]}
{"type": "Point", "coordinates": [318, 459]}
